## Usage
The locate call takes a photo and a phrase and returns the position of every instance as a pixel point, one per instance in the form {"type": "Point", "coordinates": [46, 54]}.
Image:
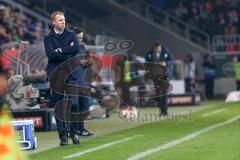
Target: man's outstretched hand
{"type": "Point", "coordinates": [87, 62]}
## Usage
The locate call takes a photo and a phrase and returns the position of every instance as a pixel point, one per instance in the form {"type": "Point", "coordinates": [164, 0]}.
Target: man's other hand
{"type": "Point", "coordinates": [83, 62]}
{"type": "Point", "coordinates": [58, 50]}
{"type": "Point", "coordinates": [163, 63]}
{"type": "Point", "coordinates": [72, 43]}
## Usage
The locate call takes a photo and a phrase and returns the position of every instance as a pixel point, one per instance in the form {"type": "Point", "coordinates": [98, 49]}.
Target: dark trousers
{"type": "Point", "coordinates": [162, 103]}
{"type": "Point", "coordinates": [125, 94]}
{"type": "Point", "coordinates": [83, 107]}
{"type": "Point", "coordinates": [64, 128]}
{"type": "Point", "coordinates": [80, 105]}
{"type": "Point", "coordinates": [80, 102]}
{"type": "Point", "coordinates": [189, 87]}
{"type": "Point", "coordinates": [209, 87]}
{"type": "Point", "coordinates": [238, 85]}
{"type": "Point", "coordinates": [74, 126]}
{"type": "Point", "coordinates": [61, 125]}
{"type": "Point", "coordinates": [161, 93]}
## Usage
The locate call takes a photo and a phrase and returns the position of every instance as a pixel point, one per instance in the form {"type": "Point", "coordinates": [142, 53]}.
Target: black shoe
{"type": "Point", "coordinates": [163, 114]}
{"type": "Point", "coordinates": [85, 133]}
{"type": "Point", "coordinates": [64, 142]}
{"type": "Point", "coordinates": [75, 138]}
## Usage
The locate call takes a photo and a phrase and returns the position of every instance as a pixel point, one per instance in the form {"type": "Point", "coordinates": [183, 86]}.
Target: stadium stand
{"type": "Point", "coordinates": [219, 18]}
{"type": "Point", "coordinates": [14, 28]}
{"type": "Point", "coordinates": [214, 17]}
{"type": "Point", "coordinates": [215, 22]}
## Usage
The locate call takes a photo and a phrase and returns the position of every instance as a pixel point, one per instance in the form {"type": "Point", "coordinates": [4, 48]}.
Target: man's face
{"type": "Point", "coordinates": [80, 37]}
{"type": "Point", "coordinates": [157, 49]}
{"type": "Point", "coordinates": [10, 73]}
{"type": "Point", "coordinates": [59, 22]}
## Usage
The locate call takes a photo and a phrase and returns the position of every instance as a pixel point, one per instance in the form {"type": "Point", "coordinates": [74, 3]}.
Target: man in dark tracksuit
{"type": "Point", "coordinates": [160, 60]}
{"type": "Point", "coordinates": [79, 79]}
{"type": "Point", "coordinates": [60, 45]}
{"type": "Point", "coordinates": [209, 75]}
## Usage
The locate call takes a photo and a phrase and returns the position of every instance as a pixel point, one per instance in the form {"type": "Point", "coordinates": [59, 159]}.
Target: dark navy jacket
{"type": "Point", "coordinates": [77, 76]}
{"type": "Point", "coordinates": [53, 41]}
{"type": "Point", "coordinates": [165, 56]}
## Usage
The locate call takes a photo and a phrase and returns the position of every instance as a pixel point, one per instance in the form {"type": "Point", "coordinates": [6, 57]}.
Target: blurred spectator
{"type": "Point", "coordinates": [209, 75]}
{"type": "Point", "coordinates": [181, 11]}
{"type": "Point", "coordinates": [209, 16]}
{"type": "Point", "coordinates": [4, 37]}
{"type": "Point", "coordinates": [9, 72]}
{"type": "Point", "coordinates": [157, 3]}
{"type": "Point", "coordinates": [230, 30]}
{"type": "Point", "coordinates": [237, 71]}
{"type": "Point", "coordinates": [16, 26]}
{"type": "Point", "coordinates": [3, 84]}
{"type": "Point", "coordinates": [221, 20]}
{"type": "Point", "coordinates": [37, 78]}
{"type": "Point", "coordinates": [194, 9]}
{"type": "Point", "coordinates": [190, 73]}
{"type": "Point", "coordinates": [233, 17]}
{"type": "Point", "coordinates": [137, 70]}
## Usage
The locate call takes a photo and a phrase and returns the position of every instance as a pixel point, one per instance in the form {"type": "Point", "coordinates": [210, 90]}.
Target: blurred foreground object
{"type": "Point", "coordinates": [129, 112]}
{"type": "Point", "coordinates": [25, 132]}
{"type": "Point", "coordinates": [233, 97]}
{"type": "Point", "coordinates": [9, 150]}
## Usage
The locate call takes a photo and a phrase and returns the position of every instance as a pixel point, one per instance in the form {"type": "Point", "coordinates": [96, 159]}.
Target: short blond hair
{"type": "Point", "coordinates": [53, 15]}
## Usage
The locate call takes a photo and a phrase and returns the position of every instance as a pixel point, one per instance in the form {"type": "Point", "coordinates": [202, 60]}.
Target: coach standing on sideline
{"type": "Point", "coordinates": [160, 55]}
{"type": "Point", "coordinates": [60, 44]}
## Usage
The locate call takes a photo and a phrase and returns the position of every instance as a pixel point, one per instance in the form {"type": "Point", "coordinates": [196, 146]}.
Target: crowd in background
{"type": "Point", "coordinates": [16, 26]}
{"type": "Point", "coordinates": [216, 17]}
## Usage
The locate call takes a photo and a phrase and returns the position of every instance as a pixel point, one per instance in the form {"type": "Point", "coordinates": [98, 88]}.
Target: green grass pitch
{"type": "Point", "coordinates": [120, 139]}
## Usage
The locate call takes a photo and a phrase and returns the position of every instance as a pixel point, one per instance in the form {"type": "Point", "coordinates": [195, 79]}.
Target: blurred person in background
{"type": "Point", "coordinates": [9, 72]}
{"type": "Point", "coordinates": [83, 102]}
{"type": "Point", "coordinates": [4, 36]}
{"type": "Point", "coordinates": [127, 97]}
{"type": "Point", "coordinates": [190, 73]}
{"type": "Point", "coordinates": [3, 84]}
{"type": "Point", "coordinates": [209, 75]}
{"type": "Point", "coordinates": [122, 80]}
{"type": "Point", "coordinates": [237, 72]}
{"type": "Point", "coordinates": [137, 70]}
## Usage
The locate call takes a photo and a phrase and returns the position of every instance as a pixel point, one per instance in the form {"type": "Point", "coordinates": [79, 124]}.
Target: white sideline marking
{"type": "Point", "coordinates": [214, 112]}
{"type": "Point", "coordinates": [100, 147]}
{"type": "Point", "coordinates": [181, 140]}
